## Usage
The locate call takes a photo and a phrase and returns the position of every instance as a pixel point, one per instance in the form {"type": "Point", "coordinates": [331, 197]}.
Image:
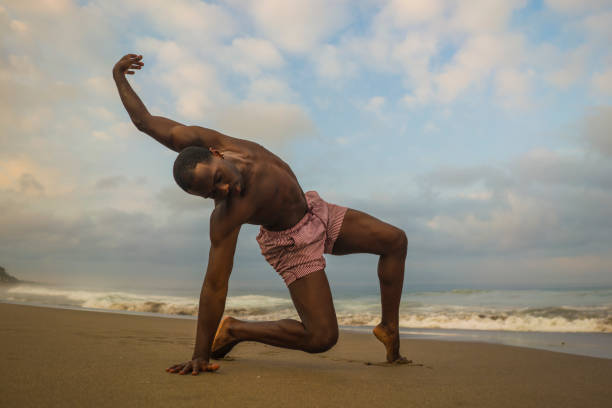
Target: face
{"type": "Point", "coordinates": [216, 179]}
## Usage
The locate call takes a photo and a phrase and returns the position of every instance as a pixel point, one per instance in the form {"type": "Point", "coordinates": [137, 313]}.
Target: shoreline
{"type": "Point", "coordinates": [57, 357]}
{"type": "Point", "coordinates": [590, 344]}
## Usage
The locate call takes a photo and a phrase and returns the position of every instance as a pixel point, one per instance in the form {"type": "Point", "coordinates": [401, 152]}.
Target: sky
{"type": "Point", "coordinates": [481, 128]}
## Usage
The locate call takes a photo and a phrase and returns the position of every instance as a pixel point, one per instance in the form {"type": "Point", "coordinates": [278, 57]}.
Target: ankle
{"type": "Point", "coordinates": [389, 327]}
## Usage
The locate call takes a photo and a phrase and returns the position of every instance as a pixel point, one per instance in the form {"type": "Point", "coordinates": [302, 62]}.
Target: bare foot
{"type": "Point", "coordinates": [391, 341]}
{"type": "Point", "coordinates": [223, 342]}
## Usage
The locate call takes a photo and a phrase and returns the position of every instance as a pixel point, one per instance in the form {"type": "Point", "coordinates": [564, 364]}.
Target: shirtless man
{"type": "Point", "coordinates": [250, 185]}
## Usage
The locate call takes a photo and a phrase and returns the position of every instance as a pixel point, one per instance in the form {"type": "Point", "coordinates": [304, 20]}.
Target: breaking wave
{"type": "Point", "coordinates": [484, 310]}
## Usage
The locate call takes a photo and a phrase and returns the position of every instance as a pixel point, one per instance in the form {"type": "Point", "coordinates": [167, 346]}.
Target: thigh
{"type": "Point", "coordinates": [312, 298]}
{"type": "Point", "coordinates": [362, 233]}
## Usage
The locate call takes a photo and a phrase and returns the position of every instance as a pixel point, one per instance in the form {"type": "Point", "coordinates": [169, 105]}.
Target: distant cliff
{"type": "Point", "coordinates": [6, 278]}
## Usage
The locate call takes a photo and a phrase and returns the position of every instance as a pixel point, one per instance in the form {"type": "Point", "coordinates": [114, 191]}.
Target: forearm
{"type": "Point", "coordinates": [210, 311]}
{"type": "Point", "coordinates": [132, 103]}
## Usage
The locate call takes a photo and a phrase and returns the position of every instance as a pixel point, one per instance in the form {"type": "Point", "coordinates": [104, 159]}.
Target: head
{"type": "Point", "coordinates": [200, 172]}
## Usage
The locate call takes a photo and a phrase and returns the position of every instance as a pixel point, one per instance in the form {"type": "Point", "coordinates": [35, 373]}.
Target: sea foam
{"type": "Point", "coordinates": [457, 309]}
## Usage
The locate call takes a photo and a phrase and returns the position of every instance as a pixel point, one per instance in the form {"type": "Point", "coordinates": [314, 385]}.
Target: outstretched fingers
{"type": "Point", "coordinates": [187, 368]}
{"type": "Point", "coordinates": [175, 368]}
{"type": "Point", "coordinates": [194, 367]}
{"type": "Point", "coordinates": [135, 63]}
{"type": "Point", "coordinates": [130, 62]}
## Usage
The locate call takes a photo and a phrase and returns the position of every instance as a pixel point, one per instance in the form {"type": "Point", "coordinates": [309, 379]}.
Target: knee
{"type": "Point", "coordinates": [398, 242]}
{"type": "Point", "coordinates": [322, 340]}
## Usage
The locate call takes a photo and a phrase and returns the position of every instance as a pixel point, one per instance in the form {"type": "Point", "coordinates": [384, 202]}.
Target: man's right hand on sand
{"type": "Point", "coordinates": [127, 64]}
{"type": "Point", "coordinates": [194, 367]}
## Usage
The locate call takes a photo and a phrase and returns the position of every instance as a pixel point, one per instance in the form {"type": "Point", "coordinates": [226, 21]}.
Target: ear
{"type": "Point", "coordinates": [216, 152]}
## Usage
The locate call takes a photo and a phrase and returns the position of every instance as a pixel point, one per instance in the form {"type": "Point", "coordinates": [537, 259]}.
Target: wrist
{"type": "Point", "coordinates": [201, 356]}
{"type": "Point", "coordinates": [117, 73]}
{"type": "Point", "coordinates": [201, 352]}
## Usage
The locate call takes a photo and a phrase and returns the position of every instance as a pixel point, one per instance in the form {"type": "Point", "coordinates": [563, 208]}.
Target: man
{"type": "Point", "coordinates": [250, 185]}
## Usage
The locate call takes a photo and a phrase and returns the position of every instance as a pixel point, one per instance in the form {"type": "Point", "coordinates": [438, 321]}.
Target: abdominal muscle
{"type": "Point", "coordinates": [281, 200]}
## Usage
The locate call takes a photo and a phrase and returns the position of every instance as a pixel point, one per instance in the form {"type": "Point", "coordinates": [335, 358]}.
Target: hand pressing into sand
{"type": "Point", "coordinates": [127, 64]}
{"type": "Point", "coordinates": [194, 366]}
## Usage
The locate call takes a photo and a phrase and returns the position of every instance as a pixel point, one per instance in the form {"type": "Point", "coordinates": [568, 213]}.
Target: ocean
{"type": "Point", "coordinates": [573, 321]}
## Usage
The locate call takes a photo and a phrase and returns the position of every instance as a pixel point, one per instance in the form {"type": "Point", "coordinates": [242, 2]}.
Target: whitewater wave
{"type": "Point", "coordinates": [362, 311]}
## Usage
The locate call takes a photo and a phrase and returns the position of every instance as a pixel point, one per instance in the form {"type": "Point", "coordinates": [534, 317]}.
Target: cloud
{"type": "Point", "coordinates": [571, 6]}
{"type": "Point", "coordinates": [545, 205]}
{"type": "Point", "coordinates": [242, 68]}
{"type": "Point", "coordinates": [597, 26]}
{"type": "Point", "coordinates": [414, 54]}
{"type": "Point", "coordinates": [24, 174]}
{"type": "Point", "coordinates": [265, 122]}
{"type": "Point", "coordinates": [193, 82]}
{"type": "Point", "coordinates": [250, 56]}
{"type": "Point", "coordinates": [572, 64]}
{"type": "Point", "coordinates": [596, 130]}
{"type": "Point", "coordinates": [513, 87]}
{"type": "Point", "coordinates": [513, 228]}
{"type": "Point", "coordinates": [270, 89]}
{"type": "Point", "coordinates": [30, 97]}
{"type": "Point", "coordinates": [297, 26]}
{"type": "Point", "coordinates": [602, 82]}
{"type": "Point", "coordinates": [330, 63]}
{"type": "Point", "coordinates": [28, 183]}
{"type": "Point", "coordinates": [53, 7]}
{"type": "Point", "coordinates": [18, 26]}
{"type": "Point", "coordinates": [463, 177]}
{"type": "Point", "coordinates": [99, 235]}
{"type": "Point", "coordinates": [475, 61]}
{"type": "Point", "coordinates": [430, 127]}
{"type": "Point", "coordinates": [191, 22]}
{"type": "Point", "coordinates": [441, 50]}
{"type": "Point", "coordinates": [401, 14]}
{"type": "Point", "coordinates": [108, 183]}
{"type": "Point", "coordinates": [489, 16]}
{"type": "Point", "coordinates": [549, 169]}
{"type": "Point", "coordinates": [101, 86]}
{"type": "Point", "coordinates": [176, 200]}
{"type": "Point", "coordinates": [375, 104]}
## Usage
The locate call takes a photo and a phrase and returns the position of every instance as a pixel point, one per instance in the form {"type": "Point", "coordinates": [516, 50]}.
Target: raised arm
{"type": "Point", "coordinates": [171, 134]}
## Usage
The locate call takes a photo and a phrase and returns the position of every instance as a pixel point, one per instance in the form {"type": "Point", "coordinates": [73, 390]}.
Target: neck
{"type": "Point", "coordinates": [242, 164]}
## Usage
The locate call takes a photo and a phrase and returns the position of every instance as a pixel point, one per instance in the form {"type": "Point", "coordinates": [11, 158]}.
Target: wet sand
{"type": "Point", "coordinates": [64, 358]}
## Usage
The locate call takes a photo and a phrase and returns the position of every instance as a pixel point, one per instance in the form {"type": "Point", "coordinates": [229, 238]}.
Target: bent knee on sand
{"type": "Point", "coordinates": [321, 341]}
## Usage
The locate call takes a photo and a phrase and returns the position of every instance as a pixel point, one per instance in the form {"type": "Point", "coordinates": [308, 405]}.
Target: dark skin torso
{"type": "Point", "coordinates": [271, 189]}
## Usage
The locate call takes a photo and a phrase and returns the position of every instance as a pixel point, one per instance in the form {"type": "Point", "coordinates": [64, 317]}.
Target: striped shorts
{"type": "Point", "coordinates": [298, 251]}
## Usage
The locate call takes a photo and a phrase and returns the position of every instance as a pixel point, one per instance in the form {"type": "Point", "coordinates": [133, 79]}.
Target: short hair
{"type": "Point", "coordinates": [186, 161]}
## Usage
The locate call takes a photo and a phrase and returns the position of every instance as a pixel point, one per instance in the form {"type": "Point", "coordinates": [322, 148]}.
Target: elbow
{"type": "Point", "coordinates": [142, 121]}
{"type": "Point", "coordinates": [140, 124]}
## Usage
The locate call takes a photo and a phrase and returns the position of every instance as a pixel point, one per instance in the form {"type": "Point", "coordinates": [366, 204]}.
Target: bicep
{"type": "Point", "coordinates": [185, 136]}
{"type": "Point", "coordinates": [225, 226]}
{"type": "Point", "coordinates": [160, 129]}
{"type": "Point", "coordinates": [176, 136]}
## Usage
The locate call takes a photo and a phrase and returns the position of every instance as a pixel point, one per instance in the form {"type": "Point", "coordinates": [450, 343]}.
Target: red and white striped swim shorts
{"type": "Point", "coordinates": [298, 251]}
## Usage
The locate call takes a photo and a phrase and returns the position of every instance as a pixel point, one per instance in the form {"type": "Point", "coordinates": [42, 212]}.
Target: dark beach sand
{"type": "Point", "coordinates": [64, 358]}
